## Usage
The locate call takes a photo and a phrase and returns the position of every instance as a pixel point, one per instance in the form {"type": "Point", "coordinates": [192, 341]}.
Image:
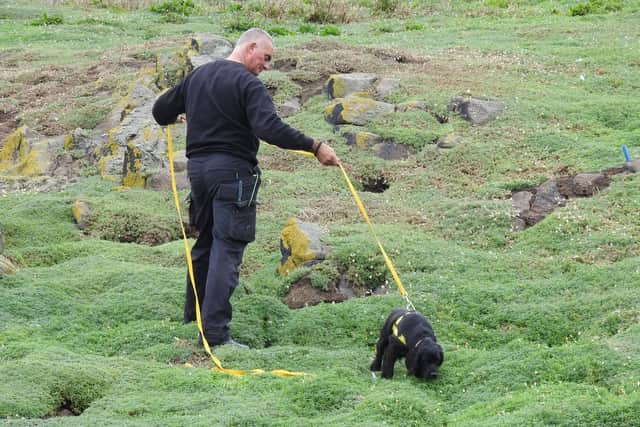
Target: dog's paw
{"type": "Point", "coordinates": [386, 375]}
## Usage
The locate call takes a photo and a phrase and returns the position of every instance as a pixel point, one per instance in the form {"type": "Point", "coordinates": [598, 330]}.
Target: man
{"type": "Point", "coordinates": [228, 110]}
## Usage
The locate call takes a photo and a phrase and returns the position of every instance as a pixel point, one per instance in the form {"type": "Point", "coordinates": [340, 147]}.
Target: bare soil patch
{"type": "Point", "coordinates": [303, 294]}
{"type": "Point", "coordinates": [41, 97]}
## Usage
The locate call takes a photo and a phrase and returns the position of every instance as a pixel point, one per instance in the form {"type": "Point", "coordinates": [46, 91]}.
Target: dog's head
{"type": "Point", "coordinates": [424, 359]}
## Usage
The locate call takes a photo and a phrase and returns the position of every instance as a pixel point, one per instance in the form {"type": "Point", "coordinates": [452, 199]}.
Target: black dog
{"type": "Point", "coordinates": [408, 334]}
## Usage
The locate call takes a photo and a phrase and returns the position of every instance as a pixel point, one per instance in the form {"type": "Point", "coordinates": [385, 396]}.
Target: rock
{"type": "Point", "coordinates": [341, 85]}
{"type": "Point", "coordinates": [81, 211]}
{"type": "Point", "coordinates": [63, 165]}
{"type": "Point", "coordinates": [476, 111]}
{"type": "Point", "coordinates": [521, 201]}
{"type": "Point", "coordinates": [170, 69]}
{"type": "Point", "coordinates": [546, 199]}
{"type": "Point", "coordinates": [161, 180]}
{"type": "Point", "coordinates": [206, 48]}
{"type": "Point", "coordinates": [180, 161]}
{"type": "Point", "coordinates": [135, 147]}
{"type": "Point", "coordinates": [289, 107]}
{"type": "Point", "coordinates": [587, 184]}
{"type": "Point", "coordinates": [27, 153]}
{"type": "Point", "coordinates": [6, 266]}
{"type": "Point", "coordinates": [448, 141]}
{"type": "Point", "coordinates": [389, 150]}
{"type": "Point", "coordinates": [79, 139]}
{"type": "Point", "coordinates": [356, 110]}
{"type": "Point", "coordinates": [411, 106]}
{"type": "Point", "coordinates": [300, 245]}
{"type": "Point", "coordinates": [633, 165]}
{"type": "Point", "coordinates": [362, 139]}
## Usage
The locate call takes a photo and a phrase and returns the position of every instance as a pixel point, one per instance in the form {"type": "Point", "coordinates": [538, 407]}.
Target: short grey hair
{"type": "Point", "coordinates": [253, 35]}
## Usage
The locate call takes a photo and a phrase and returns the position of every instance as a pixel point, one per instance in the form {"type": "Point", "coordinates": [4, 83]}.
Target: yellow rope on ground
{"type": "Point", "coordinates": [236, 372]}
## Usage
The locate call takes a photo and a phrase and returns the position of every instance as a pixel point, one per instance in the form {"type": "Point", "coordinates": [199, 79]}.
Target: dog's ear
{"type": "Point", "coordinates": [412, 360]}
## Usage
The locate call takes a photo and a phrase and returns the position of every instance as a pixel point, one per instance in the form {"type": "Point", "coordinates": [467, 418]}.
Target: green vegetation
{"type": "Point", "coordinates": [47, 20]}
{"type": "Point", "coordinates": [595, 6]}
{"type": "Point", "coordinates": [330, 30]}
{"type": "Point", "coordinates": [180, 7]}
{"type": "Point", "coordinates": [539, 327]}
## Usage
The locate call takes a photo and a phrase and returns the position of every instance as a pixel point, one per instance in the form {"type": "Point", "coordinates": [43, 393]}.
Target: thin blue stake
{"type": "Point", "coordinates": [625, 151]}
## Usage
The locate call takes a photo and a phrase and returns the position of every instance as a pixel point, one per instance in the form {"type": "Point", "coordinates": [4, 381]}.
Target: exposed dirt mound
{"type": "Point", "coordinates": [33, 91]}
{"type": "Point", "coordinates": [309, 67]}
{"type": "Point", "coordinates": [303, 294]}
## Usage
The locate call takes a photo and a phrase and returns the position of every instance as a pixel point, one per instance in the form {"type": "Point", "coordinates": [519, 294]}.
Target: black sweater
{"type": "Point", "coordinates": [228, 110]}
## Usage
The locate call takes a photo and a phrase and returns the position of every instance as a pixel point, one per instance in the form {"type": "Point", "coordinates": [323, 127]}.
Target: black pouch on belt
{"type": "Point", "coordinates": [234, 208]}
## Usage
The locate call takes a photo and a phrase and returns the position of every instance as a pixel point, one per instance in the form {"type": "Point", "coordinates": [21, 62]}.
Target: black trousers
{"type": "Point", "coordinates": [223, 193]}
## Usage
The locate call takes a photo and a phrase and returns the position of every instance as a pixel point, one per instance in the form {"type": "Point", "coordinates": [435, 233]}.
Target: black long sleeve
{"type": "Point", "coordinates": [169, 106]}
{"type": "Point", "coordinates": [228, 109]}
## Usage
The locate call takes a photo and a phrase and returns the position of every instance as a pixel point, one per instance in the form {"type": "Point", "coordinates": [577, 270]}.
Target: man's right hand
{"type": "Point", "coordinates": [327, 156]}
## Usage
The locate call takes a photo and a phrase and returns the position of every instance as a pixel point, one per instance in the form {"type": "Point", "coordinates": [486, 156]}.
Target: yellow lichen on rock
{"type": "Point", "coordinates": [104, 167]}
{"type": "Point", "coordinates": [14, 148]}
{"type": "Point", "coordinates": [356, 110]}
{"type": "Point", "coordinates": [68, 142]}
{"type": "Point", "coordinates": [147, 133]}
{"type": "Point", "coordinates": [80, 211]}
{"type": "Point", "coordinates": [133, 176]}
{"type": "Point", "coordinates": [337, 87]}
{"type": "Point", "coordinates": [363, 139]}
{"type": "Point", "coordinates": [296, 244]}
{"type": "Point", "coordinates": [20, 157]}
{"type": "Point", "coordinates": [6, 266]}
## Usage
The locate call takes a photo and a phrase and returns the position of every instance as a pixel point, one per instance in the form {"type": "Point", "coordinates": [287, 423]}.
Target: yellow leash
{"type": "Point", "coordinates": [187, 249]}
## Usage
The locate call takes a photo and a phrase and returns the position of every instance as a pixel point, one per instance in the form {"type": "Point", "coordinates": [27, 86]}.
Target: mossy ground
{"type": "Point", "coordinates": [539, 327]}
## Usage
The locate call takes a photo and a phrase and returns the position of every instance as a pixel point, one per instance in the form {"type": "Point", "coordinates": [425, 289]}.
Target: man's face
{"type": "Point", "coordinates": [259, 57]}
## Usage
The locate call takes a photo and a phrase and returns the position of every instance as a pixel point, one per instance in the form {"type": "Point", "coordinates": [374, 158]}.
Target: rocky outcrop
{"type": "Point", "coordinates": [137, 145]}
{"type": "Point", "coordinates": [531, 205]}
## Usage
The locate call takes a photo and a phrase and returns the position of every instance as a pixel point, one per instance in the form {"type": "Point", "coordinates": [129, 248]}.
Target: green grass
{"type": "Point", "coordinates": [539, 327]}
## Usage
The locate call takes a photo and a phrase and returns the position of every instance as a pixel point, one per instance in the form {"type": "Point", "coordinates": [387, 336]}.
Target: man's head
{"type": "Point", "coordinates": [254, 50]}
